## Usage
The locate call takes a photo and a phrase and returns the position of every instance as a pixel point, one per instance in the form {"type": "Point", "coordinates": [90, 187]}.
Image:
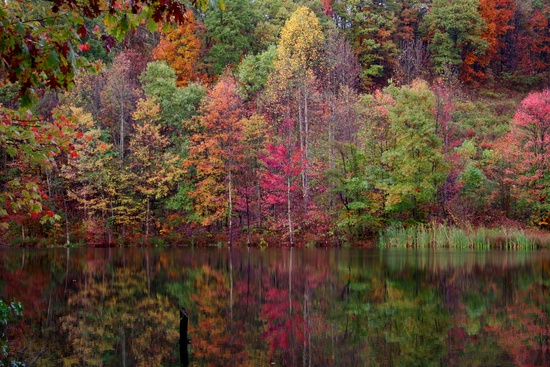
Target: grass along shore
{"type": "Point", "coordinates": [440, 235]}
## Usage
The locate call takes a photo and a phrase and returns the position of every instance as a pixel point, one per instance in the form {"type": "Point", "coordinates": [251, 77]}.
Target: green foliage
{"type": "Point", "coordinates": [274, 14]}
{"type": "Point", "coordinates": [454, 29]}
{"type": "Point", "coordinates": [159, 81]}
{"type": "Point", "coordinates": [230, 33]}
{"type": "Point", "coordinates": [361, 211]}
{"type": "Point", "coordinates": [254, 70]}
{"type": "Point", "coordinates": [8, 313]}
{"type": "Point", "coordinates": [177, 104]}
{"type": "Point", "coordinates": [416, 167]}
{"type": "Point", "coordinates": [370, 28]}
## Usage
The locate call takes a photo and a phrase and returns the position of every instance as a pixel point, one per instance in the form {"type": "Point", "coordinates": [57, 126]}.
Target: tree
{"type": "Point", "coordinates": [88, 177]}
{"type": "Point", "coordinates": [498, 15]}
{"type": "Point", "coordinates": [416, 167]}
{"type": "Point", "coordinates": [273, 15]}
{"type": "Point", "coordinates": [339, 79]}
{"type": "Point", "coordinates": [250, 195]}
{"type": "Point", "coordinates": [455, 30]}
{"type": "Point", "coordinates": [155, 170]}
{"type": "Point", "coordinates": [362, 203]}
{"type": "Point", "coordinates": [279, 180]}
{"type": "Point", "coordinates": [370, 27]}
{"type": "Point", "coordinates": [215, 152]}
{"type": "Point", "coordinates": [118, 99]}
{"type": "Point", "coordinates": [533, 43]}
{"type": "Point", "coordinates": [298, 54]}
{"type": "Point", "coordinates": [177, 104]}
{"type": "Point", "coordinates": [181, 48]}
{"type": "Point", "coordinates": [230, 34]}
{"type": "Point", "coordinates": [30, 148]}
{"type": "Point", "coordinates": [254, 71]}
{"type": "Point", "coordinates": [530, 150]}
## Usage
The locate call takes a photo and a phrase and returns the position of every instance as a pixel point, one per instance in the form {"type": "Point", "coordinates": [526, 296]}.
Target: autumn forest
{"type": "Point", "coordinates": [270, 122]}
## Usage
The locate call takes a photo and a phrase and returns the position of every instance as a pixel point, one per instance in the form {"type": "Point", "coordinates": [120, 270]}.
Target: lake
{"type": "Point", "coordinates": [279, 307]}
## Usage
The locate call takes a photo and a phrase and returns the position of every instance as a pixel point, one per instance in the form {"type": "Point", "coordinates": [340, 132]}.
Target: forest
{"type": "Point", "coordinates": [270, 122]}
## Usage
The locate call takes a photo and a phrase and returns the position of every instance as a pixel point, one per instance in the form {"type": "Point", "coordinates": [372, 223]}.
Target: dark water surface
{"type": "Point", "coordinates": [300, 307]}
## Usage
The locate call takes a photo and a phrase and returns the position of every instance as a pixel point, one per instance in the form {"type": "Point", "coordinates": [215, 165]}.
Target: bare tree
{"type": "Point", "coordinates": [412, 60]}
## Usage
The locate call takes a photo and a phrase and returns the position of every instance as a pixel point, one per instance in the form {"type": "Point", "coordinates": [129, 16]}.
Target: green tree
{"type": "Point", "coordinates": [230, 34]}
{"type": "Point", "coordinates": [273, 15]}
{"type": "Point", "coordinates": [370, 27]}
{"type": "Point", "coordinates": [176, 104]}
{"type": "Point", "coordinates": [454, 30]}
{"type": "Point", "coordinates": [416, 167]}
{"type": "Point", "coordinates": [254, 71]}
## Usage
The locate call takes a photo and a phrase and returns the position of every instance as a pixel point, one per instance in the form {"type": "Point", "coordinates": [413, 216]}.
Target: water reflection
{"type": "Point", "coordinates": [120, 307]}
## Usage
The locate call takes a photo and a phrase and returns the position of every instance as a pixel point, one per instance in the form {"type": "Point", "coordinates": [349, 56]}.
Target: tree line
{"type": "Point", "coordinates": [275, 122]}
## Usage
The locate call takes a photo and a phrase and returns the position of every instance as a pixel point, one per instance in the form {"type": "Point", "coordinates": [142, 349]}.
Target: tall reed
{"type": "Point", "coordinates": [440, 235]}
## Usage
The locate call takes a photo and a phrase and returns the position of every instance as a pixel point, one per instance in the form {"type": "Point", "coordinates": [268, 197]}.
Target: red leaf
{"type": "Point", "coordinates": [82, 31]}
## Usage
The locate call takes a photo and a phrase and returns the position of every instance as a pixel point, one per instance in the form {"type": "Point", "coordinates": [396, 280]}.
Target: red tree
{"type": "Point", "coordinates": [279, 181]}
{"type": "Point", "coordinates": [529, 149]}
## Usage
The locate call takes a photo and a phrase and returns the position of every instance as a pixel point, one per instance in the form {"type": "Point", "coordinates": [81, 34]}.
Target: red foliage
{"type": "Point", "coordinates": [533, 45]}
{"type": "Point", "coordinates": [283, 166]}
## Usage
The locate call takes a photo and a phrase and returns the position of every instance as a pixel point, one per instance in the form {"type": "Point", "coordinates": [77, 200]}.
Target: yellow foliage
{"type": "Point", "coordinates": [299, 46]}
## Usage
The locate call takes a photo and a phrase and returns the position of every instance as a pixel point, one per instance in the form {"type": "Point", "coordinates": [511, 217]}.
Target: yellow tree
{"type": "Point", "coordinates": [253, 145]}
{"type": "Point", "coordinates": [155, 170]}
{"type": "Point", "coordinates": [95, 181]}
{"type": "Point", "coordinates": [298, 54]}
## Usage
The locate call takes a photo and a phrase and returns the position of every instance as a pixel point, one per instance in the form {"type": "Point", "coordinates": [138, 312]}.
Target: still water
{"type": "Point", "coordinates": [280, 307]}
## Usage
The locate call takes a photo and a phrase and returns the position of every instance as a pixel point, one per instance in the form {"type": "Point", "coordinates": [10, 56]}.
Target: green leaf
{"type": "Point", "coordinates": [53, 60]}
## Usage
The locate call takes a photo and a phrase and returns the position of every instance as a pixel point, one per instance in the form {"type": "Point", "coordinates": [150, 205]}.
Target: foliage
{"type": "Point", "coordinates": [8, 313]}
{"type": "Point", "coordinates": [30, 146]}
{"type": "Point", "coordinates": [361, 212]}
{"type": "Point", "coordinates": [230, 34]}
{"type": "Point", "coordinates": [215, 152]}
{"type": "Point", "coordinates": [455, 31]}
{"type": "Point", "coordinates": [415, 165]}
{"type": "Point", "coordinates": [279, 180]}
{"type": "Point", "coordinates": [529, 149]}
{"type": "Point", "coordinates": [141, 147]}
{"type": "Point", "coordinates": [42, 42]}
{"type": "Point", "coordinates": [370, 28]}
{"type": "Point", "coordinates": [181, 48]}
{"type": "Point", "coordinates": [254, 70]}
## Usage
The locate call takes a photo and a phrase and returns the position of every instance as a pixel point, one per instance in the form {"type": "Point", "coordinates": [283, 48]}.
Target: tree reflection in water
{"type": "Point", "coordinates": [120, 307]}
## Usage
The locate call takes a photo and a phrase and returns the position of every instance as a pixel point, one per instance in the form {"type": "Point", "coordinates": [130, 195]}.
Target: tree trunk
{"type": "Point", "coordinates": [306, 151]}
{"type": "Point", "coordinates": [184, 339]}
{"type": "Point", "coordinates": [247, 218]}
{"type": "Point", "coordinates": [147, 216]}
{"type": "Point", "coordinates": [290, 283]}
{"type": "Point", "coordinates": [289, 212]}
{"type": "Point", "coordinates": [301, 129]}
{"type": "Point", "coordinates": [230, 196]}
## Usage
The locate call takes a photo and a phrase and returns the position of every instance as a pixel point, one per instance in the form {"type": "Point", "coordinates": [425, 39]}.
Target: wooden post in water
{"type": "Point", "coordinates": [184, 340]}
